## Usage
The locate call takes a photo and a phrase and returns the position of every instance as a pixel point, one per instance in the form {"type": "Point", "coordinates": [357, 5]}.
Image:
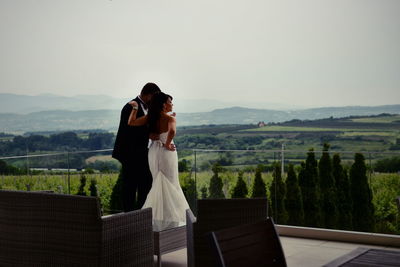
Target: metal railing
{"type": "Point", "coordinates": [65, 168]}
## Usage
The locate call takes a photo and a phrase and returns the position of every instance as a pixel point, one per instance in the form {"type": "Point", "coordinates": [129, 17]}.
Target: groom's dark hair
{"type": "Point", "coordinates": [149, 89]}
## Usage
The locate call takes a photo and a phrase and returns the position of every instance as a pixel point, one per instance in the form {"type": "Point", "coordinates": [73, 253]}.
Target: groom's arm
{"type": "Point", "coordinates": [132, 121]}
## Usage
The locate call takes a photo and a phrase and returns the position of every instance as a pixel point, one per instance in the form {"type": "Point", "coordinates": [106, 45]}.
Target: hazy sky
{"type": "Point", "coordinates": [300, 52]}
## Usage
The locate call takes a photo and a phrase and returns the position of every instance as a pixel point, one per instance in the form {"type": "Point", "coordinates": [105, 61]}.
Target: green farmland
{"type": "Point", "coordinates": [358, 134]}
{"type": "Point", "coordinates": [385, 188]}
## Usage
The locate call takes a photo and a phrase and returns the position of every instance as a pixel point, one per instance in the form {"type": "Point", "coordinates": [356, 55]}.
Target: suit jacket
{"type": "Point", "coordinates": [131, 141]}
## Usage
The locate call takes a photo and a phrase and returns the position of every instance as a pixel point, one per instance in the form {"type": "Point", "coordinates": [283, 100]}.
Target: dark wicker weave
{"type": "Point", "coordinates": [44, 229]}
{"type": "Point", "coordinates": [214, 215]}
{"type": "Point", "coordinates": [250, 245]}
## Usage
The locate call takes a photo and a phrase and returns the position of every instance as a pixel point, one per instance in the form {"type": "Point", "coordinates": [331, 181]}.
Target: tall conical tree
{"type": "Point", "coordinates": [81, 190]}
{"type": "Point", "coordinates": [116, 201]}
{"type": "Point", "coordinates": [363, 209]}
{"type": "Point", "coordinates": [203, 191]}
{"type": "Point", "coordinates": [278, 192]}
{"type": "Point", "coordinates": [328, 190]}
{"type": "Point", "coordinates": [240, 189]}
{"type": "Point", "coordinates": [308, 181]}
{"type": "Point", "coordinates": [259, 188]}
{"type": "Point", "coordinates": [93, 188]}
{"type": "Point", "coordinates": [293, 200]}
{"type": "Point", "coordinates": [191, 193]}
{"type": "Point", "coordinates": [344, 201]}
{"type": "Point", "coordinates": [216, 184]}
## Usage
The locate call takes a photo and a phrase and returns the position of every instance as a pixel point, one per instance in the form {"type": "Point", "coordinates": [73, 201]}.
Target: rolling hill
{"type": "Point", "coordinates": [108, 119]}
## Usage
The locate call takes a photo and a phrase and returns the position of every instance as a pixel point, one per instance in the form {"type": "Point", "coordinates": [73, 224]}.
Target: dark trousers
{"type": "Point", "coordinates": [136, 183]}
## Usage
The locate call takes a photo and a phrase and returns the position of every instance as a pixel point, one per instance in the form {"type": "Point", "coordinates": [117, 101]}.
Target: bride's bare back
{"type": "Point", "coordinates": [166, 123]}
{"type": "Point", "coordinates": [162, 126]}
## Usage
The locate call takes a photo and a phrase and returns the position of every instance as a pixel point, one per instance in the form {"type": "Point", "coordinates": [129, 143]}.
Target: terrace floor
{"type": "Point", "coordinates": [299, 252]}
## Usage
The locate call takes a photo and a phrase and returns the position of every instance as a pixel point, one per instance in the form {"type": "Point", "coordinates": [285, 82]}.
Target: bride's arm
{"type": "Point", "coordinates": [171, 134]}
{"type": "Point", "coordinates": [132, 121]}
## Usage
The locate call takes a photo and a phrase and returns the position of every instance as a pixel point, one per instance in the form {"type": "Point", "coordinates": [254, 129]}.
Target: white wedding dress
{"type": "Point", "coordinates": [166, 197]}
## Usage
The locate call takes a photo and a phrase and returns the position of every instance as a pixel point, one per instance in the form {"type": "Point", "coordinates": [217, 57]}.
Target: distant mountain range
{"type": "Point", "coordinates": [239, 115]}
{"type": "Point", "coordinates": [62, 120]}
{"type": "Point", "coordinates": [24, 104]}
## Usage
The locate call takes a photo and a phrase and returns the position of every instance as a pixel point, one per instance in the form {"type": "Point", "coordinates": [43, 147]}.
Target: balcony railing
{"type": "Point", "coordinates": [62, 172]}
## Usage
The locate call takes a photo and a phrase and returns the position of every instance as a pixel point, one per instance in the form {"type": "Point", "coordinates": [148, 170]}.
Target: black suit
{"type": "Point", "coordinates": [131, 149]}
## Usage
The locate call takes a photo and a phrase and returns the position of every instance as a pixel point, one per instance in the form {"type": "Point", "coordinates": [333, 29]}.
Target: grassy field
{"type": "Point", "coordinates": [370, 133]}
{"type": "Point", "coordinates": [364, 134]}
{"type": "Point", "coordinates": [381, 119]}
{"type": "Point", "coordinates": [275, 128]}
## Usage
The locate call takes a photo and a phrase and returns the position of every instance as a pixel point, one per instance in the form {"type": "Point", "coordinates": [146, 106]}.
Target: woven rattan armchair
{"type": "Point", "coordinates": [214, 215]}
{"type": "Point", "coordinates": [251, 245]}
{"type": "Point", "coordinates": [46, 229]}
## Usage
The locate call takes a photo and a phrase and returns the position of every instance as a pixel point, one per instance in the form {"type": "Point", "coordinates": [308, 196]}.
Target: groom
{"type": "Point", "coordinates": [131, 148]}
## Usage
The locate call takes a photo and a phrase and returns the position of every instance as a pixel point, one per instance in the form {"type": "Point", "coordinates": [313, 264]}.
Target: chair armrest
{"type": "Point", "coordinates": [190, 224]}
{"type": "Point", "coordinates": [127, 239]}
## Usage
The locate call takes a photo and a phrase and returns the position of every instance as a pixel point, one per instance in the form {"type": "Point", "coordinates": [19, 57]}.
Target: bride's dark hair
{"type": "Point", "coordinates": [155, 108]}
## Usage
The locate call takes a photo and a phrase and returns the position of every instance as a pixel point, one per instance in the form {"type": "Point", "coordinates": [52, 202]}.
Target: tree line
{"type": "Point", "coordinates": [321, 193]}
{"type": "Point", "coordinates": [66, 141]}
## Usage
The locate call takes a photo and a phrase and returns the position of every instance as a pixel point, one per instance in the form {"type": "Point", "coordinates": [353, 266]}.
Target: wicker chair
{"type": "Point", "coordinates": [251, 245]}
{"type": "Point", "coordinates": [217, 214]}
{"type": "Point", "coordinates": [45, 229]}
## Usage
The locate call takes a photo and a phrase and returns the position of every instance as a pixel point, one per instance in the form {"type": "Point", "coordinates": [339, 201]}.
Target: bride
{"type": "Point", "coordinates": [166, 197]}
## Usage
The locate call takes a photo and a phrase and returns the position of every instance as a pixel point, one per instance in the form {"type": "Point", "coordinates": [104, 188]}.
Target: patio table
{"type": "Point", "coordinates": [367, 257]}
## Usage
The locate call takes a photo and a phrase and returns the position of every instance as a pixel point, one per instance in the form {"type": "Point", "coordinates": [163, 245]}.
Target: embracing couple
{"type": "Point", "coordinates": [144, 146]}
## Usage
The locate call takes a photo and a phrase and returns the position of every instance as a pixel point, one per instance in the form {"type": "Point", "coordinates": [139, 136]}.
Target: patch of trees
{"type": "Point", "coordinates": [206, 141]}
{"type": "Point", "coordinates": [388, 165]}
{"type": "Point", "coordinates": [66, 141]}
{"type": "Point", "coordinates": [103, 166]}
{"type": "Point", "coordinates": [6, 169]}
{"type": "Point", "coordinates": [396, 146]}
{"type": "Point", "coordinates": [212, 129]}
{"type": "Point", "coordinates": [345, 122]}
{"type": "Point", "coordinates": [2, 135]}
{"type": "Point", "coordinates": [322, 193]}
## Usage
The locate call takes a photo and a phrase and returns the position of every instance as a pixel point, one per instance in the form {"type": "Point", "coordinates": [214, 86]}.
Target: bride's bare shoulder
{"type": "Point", "coordinates": [169, 118]}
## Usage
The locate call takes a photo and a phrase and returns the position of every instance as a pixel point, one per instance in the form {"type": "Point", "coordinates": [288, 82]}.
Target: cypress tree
{"type": "Point", "coordinates": [308, 181]}
{"type": "Point", "coordinates": [216, 184]}
{"type": "Point", "coordinates": [363, 209]}
{"type": "Point", "coordinates": [259, 187]}
{"type": "Point", "coordinates": [293, 200]}
{"type": "Point", "coordinates": [328, 190]}
{"type": "Point", "coordinates": [203, 191]}
{"type": "Point", "coordinates": [94, 192]}
{"type": "Point", "coordinates": [93, 188]}
{"type": "Point", "coordinates": [277, 192]}
{"type": "Point", "coordinates": [116, 202]}
{"type": "Point", "coordinates": [240, 189]}
{"type": "Point", "coordinates": [81, 190]}
{"type": "Point", "coordinates": [191, 193]}
{"type": "Point", "coordinates": [344, 201]}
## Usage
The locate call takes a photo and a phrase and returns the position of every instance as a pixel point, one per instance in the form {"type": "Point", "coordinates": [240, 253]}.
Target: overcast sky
{"type": "Point", "coordinates": [300, 52]}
